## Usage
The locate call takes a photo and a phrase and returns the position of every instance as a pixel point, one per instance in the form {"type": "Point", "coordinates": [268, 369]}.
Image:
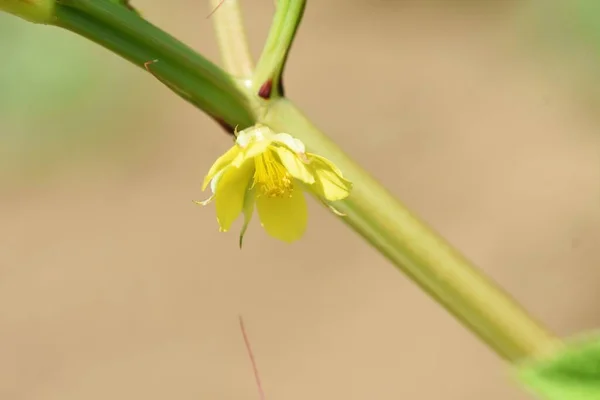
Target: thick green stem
{"type": "Point", "coordinates": [421, 254]}
{"type": "Point", "coordinates": [187, 73]}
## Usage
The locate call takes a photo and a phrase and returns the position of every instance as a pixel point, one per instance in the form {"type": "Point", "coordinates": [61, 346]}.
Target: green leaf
{"type": "Point", "coordinates": [573, 373]}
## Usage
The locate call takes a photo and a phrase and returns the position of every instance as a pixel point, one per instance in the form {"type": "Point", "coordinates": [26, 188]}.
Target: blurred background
{"type": "Point", "coordinates": [481, 116]}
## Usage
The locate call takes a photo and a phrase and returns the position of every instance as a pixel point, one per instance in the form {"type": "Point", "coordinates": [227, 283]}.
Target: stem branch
{"type": "Point", "coordinates": [271, 63]}
{"type": "Point", "coordinates": [187, 73]}
{"type": "Point", "coordinates": [231, 36]}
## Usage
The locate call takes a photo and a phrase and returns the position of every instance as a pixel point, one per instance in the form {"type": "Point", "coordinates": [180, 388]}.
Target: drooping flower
{"type": "Point", "coordinates": [270, 171]}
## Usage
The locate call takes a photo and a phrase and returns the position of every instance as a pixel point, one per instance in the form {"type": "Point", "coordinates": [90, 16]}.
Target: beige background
{"type": "Point", "coordinates": [113, 285]}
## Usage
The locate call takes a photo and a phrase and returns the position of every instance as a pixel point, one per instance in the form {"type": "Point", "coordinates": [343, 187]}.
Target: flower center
{"type": "Point", "coordinates": [271, 176]}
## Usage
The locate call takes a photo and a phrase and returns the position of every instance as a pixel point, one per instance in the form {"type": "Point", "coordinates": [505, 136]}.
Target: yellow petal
{"type": "Point", "coordinates": [213, 188]}
{"type": "Point", "coordinates": [253, 149]}
{"type": "Point", "coordinates": [294, 144]}
{"type": "Point", "coordinates": [283, 218]}
{"type": "Point", "coordinates": [248, 209]}
{"type": "Point", "coordinates": [254, 133]}
{"type": "Point", "coordinates": [221, 163]}
{"type": "Point", "coordinates": [294, 165]}
{"type": "Point", "coordinates": [231, 190]}
{"type": "Point", "coordinates": [322, 161]}
{"type": "Point", "coordinates": [330, 184]}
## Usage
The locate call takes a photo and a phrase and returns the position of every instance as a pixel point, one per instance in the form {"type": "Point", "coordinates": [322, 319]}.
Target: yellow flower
{"type": "Point", "coordinates": [270, 171]}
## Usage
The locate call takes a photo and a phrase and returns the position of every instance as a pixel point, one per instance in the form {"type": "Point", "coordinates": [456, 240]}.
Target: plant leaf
{"type": "Point", "coordinates": [571, 374]}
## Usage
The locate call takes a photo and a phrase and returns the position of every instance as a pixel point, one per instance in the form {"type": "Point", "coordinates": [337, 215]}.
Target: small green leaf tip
{"type": "Point", "coordinates": [37, 11]}
{"type": "Point", "coordinates": [573, 373]}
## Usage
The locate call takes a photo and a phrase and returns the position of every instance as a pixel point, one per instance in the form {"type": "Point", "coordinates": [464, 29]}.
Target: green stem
{"type": "Point", "coordinates": [187, 73]}
{"type": "Point", "coordinates": [279, 41]}
{"type": "Point", "coordinates": [421, 254]}
{"type": "Point", "coordinates": [38, 11]}
{"type": "Point", "coordinates": [231, 36]}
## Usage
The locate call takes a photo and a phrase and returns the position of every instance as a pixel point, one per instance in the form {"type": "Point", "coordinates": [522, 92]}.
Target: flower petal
{"type": "Point", "coordinates": [283, 218]}
{"type": "Point", "coordinates": [248, 209]}
{"type": "Point", "coordinates": [252, 150]}
{"type": "Point", "coordinates": [213, 188]}
{"type": "Point", "coordinates": [220, 164]}
{"type": "Point", "coordinates": [254, 133]}
{"type": "Point", "coordinates": [330, 184]}
{"type": "Point", "coordinates": [230, 193]}
{"type": "Point", "coordinates": [294, 144]}
{"type": "Point", "coordinates": [294, 165]}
